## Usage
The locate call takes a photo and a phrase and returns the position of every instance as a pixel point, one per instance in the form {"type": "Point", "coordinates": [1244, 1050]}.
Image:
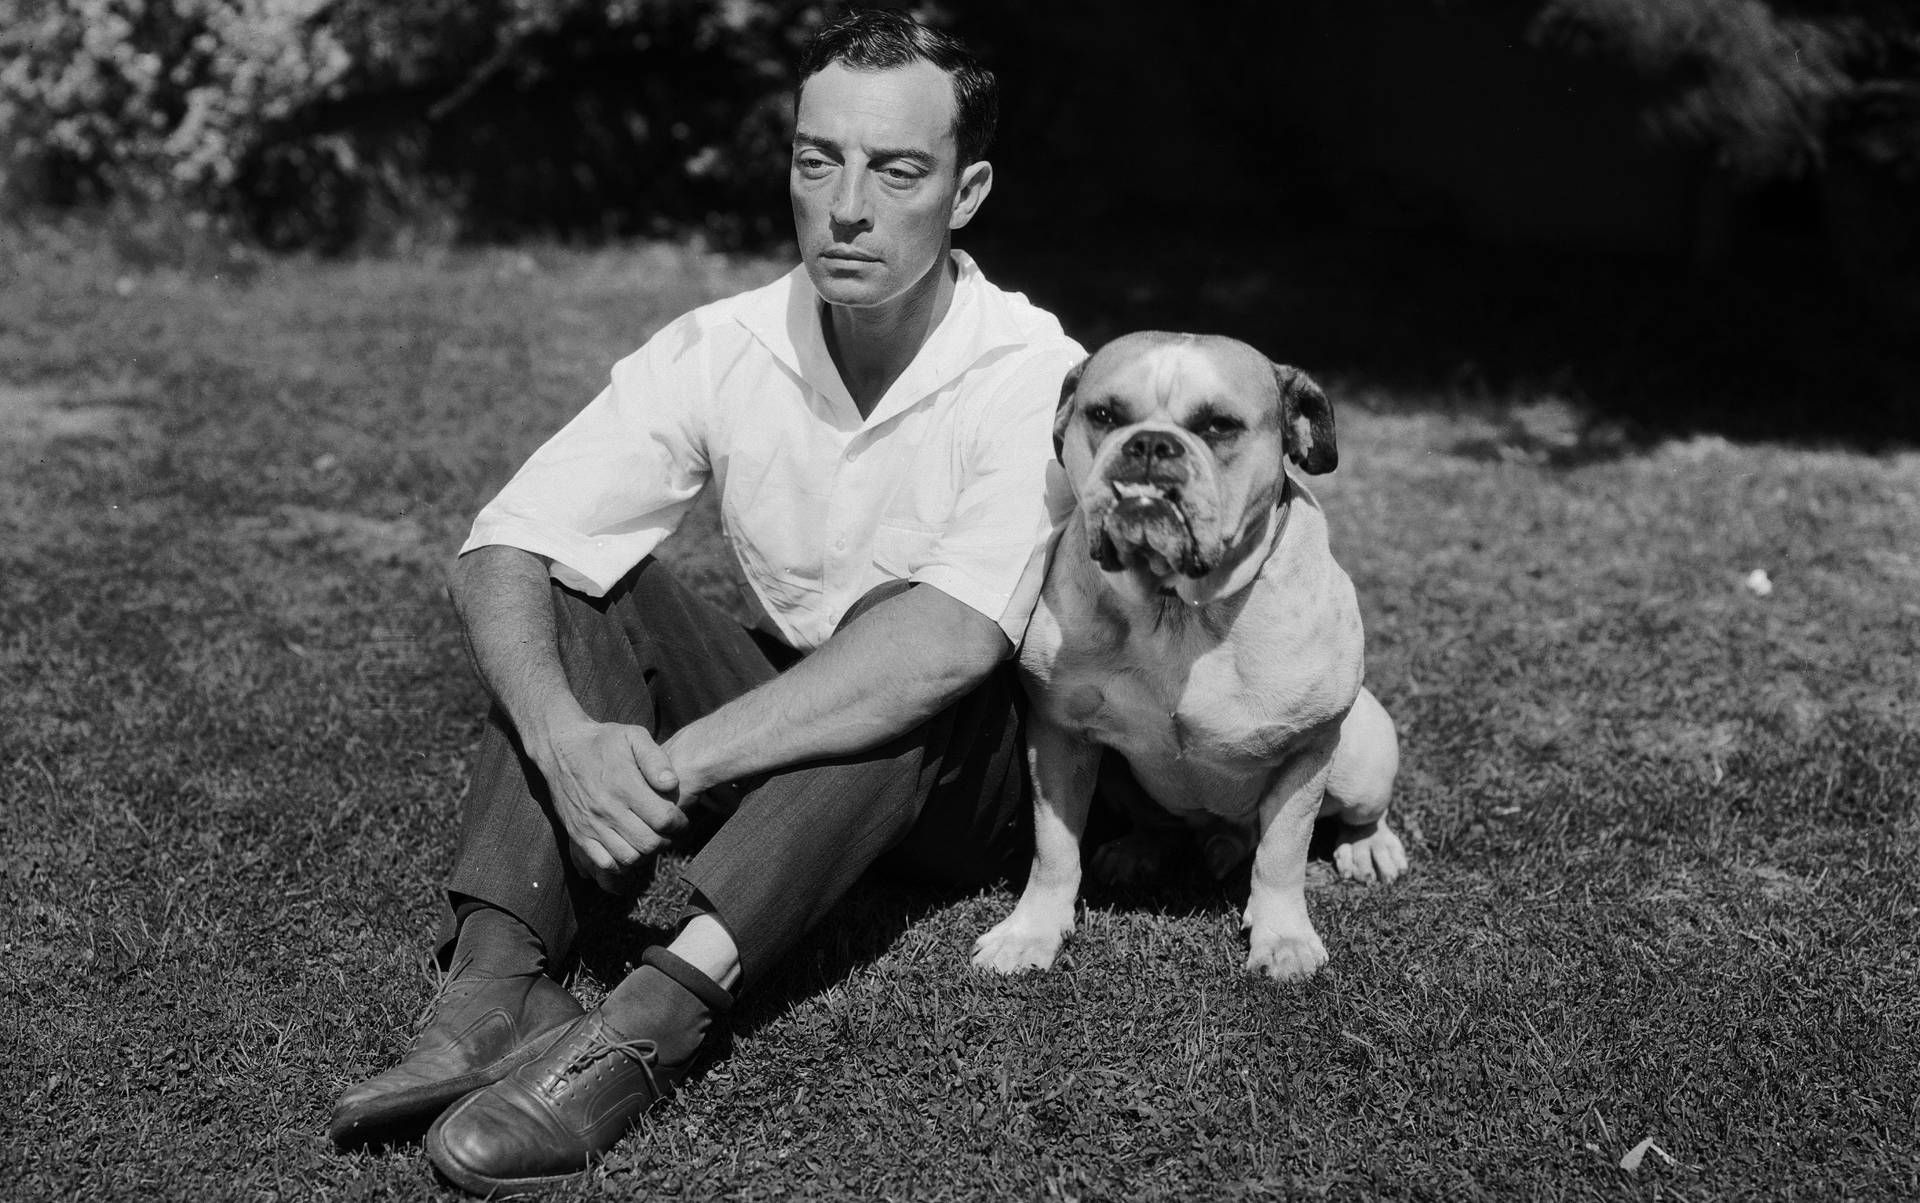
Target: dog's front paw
{"type": "Point", "coordinates": [1020, 942]}
{"type": "Point", "coordinates": [1286, 958]}
{"type": "Point", "coordinates": [1370, 853]}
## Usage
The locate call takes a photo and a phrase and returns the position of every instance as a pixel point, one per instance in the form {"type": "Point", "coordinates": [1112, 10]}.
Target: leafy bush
{"type": "Point", "coordinates": [310, 118]}
{"type": "Point", "coordinates": [157, 95]}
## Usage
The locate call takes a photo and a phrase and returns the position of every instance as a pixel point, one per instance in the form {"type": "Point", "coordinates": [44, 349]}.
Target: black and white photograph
{"type": "Point", "coordinates": [946, 601]}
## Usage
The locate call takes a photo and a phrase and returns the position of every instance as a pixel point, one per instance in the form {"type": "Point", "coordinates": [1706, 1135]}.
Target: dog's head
{"type": "Point", "coordinates": [1176, 445]}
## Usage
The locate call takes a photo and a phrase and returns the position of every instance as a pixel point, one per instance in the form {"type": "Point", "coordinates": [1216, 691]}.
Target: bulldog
{"type": "Point", "coordinates": [1194, 621]}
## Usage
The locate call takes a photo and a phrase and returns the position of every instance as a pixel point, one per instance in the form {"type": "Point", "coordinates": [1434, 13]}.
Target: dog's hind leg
{"type": "Point", "coordinates": [1225, 844]}
{"type": "Point", "coordinates": [1358, 790]}
{"type": "Point", "coordinates": [1140, 855]}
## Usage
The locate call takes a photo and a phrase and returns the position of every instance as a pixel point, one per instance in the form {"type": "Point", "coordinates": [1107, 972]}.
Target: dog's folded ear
{"type": "Point", "coordinates": [1063, 412]}
{"type": "Point", "coordinates": [1308, 417]}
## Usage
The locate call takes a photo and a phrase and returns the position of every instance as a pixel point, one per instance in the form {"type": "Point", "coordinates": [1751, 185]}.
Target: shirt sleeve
{"type": "Point", "coordinates": [602, 493]}
{"type": "Point", "coordinates": [992, 555]}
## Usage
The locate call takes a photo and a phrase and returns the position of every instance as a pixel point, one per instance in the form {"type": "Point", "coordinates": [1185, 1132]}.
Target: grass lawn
{"type": "Point", "coordinates": [1664, 827]}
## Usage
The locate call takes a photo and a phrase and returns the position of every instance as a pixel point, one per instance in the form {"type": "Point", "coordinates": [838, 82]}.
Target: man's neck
{"type": "Point", "coordinates": [872, 347]}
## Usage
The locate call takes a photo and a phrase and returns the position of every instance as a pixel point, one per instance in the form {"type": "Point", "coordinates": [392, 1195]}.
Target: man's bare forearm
{"type": "Point", "coordinates": [901, 663]}
{"type": "Point", "coordinates": [506, 610]}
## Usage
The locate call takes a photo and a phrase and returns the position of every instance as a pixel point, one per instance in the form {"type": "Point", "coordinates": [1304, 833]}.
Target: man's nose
{"type": "Point", "coordinates": [1150, 445]}
{"type": "Point", "coordinates": [849, 204]}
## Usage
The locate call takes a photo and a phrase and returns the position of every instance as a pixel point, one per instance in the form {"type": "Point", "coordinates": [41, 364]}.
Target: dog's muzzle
{"type": "Point", "coordinates": [1144, 519]}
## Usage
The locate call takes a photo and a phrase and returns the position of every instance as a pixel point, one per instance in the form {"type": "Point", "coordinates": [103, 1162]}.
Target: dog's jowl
{"type": "Point", "coordinates": [1195, 622]}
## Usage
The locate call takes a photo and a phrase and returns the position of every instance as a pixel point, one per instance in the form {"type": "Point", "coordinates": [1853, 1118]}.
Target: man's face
{"type": "Point", "coordinates": [875, 180]}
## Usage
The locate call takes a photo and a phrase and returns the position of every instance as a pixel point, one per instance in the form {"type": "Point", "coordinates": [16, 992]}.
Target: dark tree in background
{"type": "Point", "coordinates": [1346, 174]}
{"type": "Point", "coordinates": [522, 116]}
{"type": "Point", "coordinates": [1684, 213]}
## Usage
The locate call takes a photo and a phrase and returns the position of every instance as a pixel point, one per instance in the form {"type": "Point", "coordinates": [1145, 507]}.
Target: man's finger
{"type": "Point", "coordinates": [661, 814]}
{"type": "Point", "coordinates": [611, 859]}
{"type": "Point", "coordinates": [592, 871]}
{"type": "Point", "coordinates": [625, 853]}
{"type": "Point", "coordinates": [588, 857]}
{"type": "Point", "coordinates": [653, 762]}
{"type": "Point", "coordinates": [630, 824]}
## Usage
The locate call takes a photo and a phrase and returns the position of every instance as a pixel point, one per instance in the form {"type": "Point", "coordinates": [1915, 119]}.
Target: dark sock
{"type": "Point", "coordinates": [668, 1002]}
{"type": "Point", "coordinates": [494, 943]}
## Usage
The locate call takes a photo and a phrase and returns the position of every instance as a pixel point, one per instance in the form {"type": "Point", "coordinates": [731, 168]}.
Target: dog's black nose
{"type": "Point", "coordinates": [1150, 445]}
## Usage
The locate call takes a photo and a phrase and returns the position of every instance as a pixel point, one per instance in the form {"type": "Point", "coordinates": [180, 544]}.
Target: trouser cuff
{"type": "Point", "coordinates": [696, 983]}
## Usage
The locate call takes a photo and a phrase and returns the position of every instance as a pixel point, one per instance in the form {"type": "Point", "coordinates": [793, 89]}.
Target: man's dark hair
{"type": "Point", "coordinates": [879, 39]}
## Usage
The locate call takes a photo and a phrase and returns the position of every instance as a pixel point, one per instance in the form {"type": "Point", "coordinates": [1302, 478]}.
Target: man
{"type": "Point", "coordinates": [878, 424]}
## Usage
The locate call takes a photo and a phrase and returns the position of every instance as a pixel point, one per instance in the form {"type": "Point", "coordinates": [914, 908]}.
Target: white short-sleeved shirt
{"type": "Point", "coordinates": [950, 481]}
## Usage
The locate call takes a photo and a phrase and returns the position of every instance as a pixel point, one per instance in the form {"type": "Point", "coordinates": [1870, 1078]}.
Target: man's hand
{"type": "Point", "coordinates": [613, 789]}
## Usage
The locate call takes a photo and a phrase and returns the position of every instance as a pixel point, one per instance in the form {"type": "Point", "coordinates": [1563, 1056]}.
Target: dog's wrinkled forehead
{"type": "Point", "coordinates": [1166, 376]}
{"type": "Point", "coordinates": [1198, 382]}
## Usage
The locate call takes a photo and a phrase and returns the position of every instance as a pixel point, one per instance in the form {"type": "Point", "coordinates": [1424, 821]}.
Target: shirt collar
{"type": "Point", "coordinates": [784, 317]}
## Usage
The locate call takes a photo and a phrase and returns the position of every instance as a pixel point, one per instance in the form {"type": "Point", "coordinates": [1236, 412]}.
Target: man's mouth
{"type": "Point", "coordinates": [846, 255]}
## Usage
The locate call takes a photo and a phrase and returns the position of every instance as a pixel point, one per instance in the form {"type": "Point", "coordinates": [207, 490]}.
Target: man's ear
{"type": "Point", "coordinates": [976, 180]}
{"type": "Point", "coordinates": [1307, 416]}
{"type": "Point", "coordinates": [1063, 412]}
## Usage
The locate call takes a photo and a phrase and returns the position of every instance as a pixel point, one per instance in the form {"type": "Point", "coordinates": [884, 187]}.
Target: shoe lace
{"type": "Point", "coordinates": [599, 1046]}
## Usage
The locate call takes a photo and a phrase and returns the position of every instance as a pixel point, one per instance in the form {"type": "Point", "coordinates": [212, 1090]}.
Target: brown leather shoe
{"type": "Point", "coordinates": [548, 1121]}
{"type": "Point", "coordinates": [483, 1028]}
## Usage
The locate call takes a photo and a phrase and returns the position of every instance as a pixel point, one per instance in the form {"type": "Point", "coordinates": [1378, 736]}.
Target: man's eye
{"type": "Point", "coordinates": [814, 165]}
{"type": "Point", "coordinates": [899, 175]}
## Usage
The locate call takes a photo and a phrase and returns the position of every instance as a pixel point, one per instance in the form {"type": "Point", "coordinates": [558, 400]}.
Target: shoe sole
{"type": "Point", "coordinates": [406, 1113]}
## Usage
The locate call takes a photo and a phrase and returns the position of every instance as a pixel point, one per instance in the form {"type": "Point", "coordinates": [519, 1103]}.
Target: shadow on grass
{"type": "Point", "coordinates": [856, 933]}
{"type": "Point", "coordinates": [881, 909]}
{"type": "Point", "coordinates": [1637, 348]}
{"type": "Point", "coordinates": [1185, 887]}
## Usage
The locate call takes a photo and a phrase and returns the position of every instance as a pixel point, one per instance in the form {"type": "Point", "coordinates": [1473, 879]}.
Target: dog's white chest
{"type": "Point", "coordinates": [1202, 719]}
{"type": "Point", "coordinates": [1196, 711]}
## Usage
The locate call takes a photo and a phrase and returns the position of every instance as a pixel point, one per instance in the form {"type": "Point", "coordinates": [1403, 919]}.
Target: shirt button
{"type": "Point", "coordinates": [840, 544]}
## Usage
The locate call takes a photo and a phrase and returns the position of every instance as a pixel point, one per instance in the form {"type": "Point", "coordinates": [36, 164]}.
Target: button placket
{"type": "Point", "coordinates": [842, 512]}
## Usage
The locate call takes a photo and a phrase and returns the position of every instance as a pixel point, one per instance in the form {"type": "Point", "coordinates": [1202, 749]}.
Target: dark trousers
{"type": "Point", "coordinates": [945, 802]}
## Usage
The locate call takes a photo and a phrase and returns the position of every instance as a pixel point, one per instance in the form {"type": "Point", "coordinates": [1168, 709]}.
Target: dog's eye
{"type": "Point", "coordinates": [1222, 427]}
{"type": "Point", "coordinates": [1100, 415]}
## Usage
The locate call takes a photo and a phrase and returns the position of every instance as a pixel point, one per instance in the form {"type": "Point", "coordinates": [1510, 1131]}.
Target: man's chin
{"type": "Point", "coordinates": [848, 289]}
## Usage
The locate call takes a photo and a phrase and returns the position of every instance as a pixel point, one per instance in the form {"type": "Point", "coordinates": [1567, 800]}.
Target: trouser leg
{"type": "Point", "coordinates": [944, 802]}
{"type": "Point", "coordinates": [649, 653]}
